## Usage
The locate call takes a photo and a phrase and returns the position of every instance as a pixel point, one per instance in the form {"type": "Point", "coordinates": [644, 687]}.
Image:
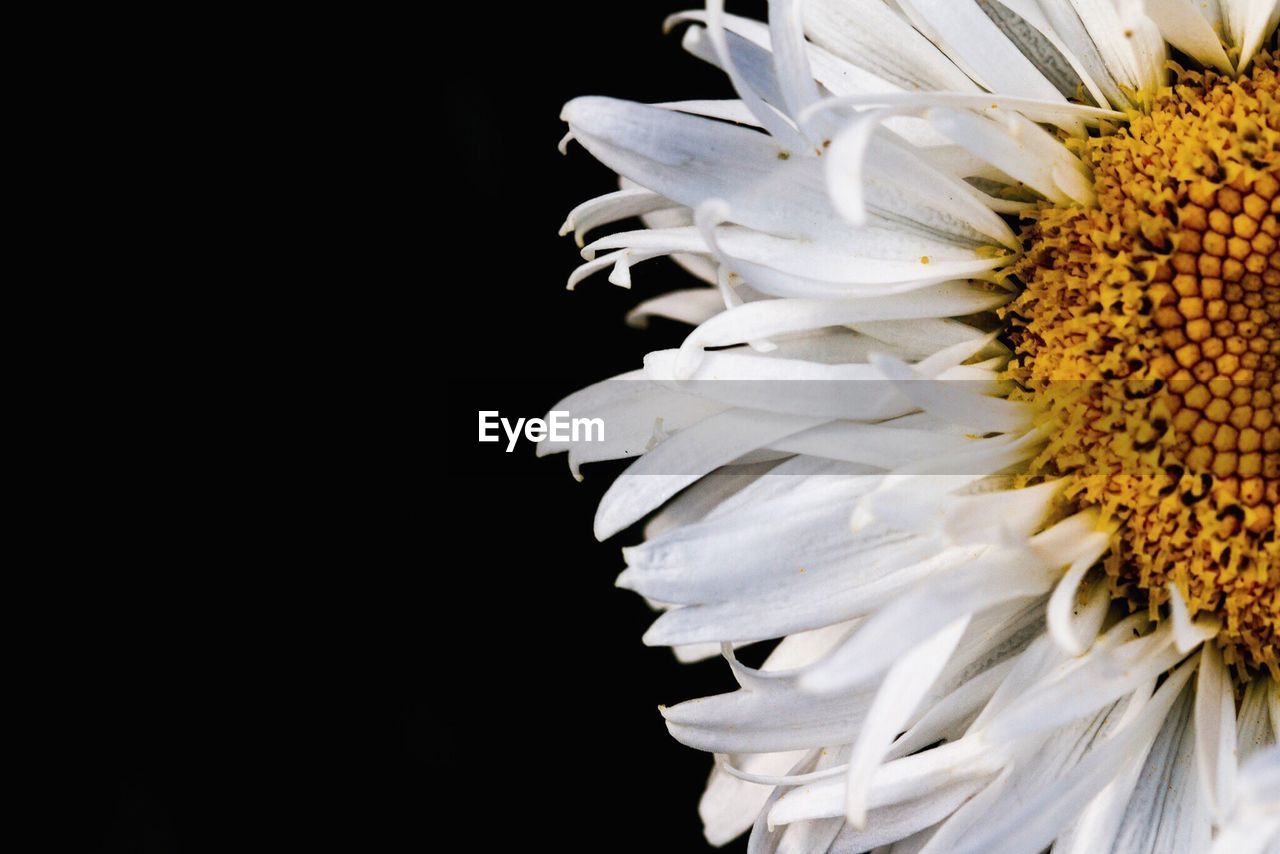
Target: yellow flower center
{"type": "Point", "coordinates": [1149, 335]}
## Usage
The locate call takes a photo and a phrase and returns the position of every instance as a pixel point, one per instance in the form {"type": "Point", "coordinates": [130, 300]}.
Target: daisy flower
{"type": "Point", "coordinates": [977, 421]}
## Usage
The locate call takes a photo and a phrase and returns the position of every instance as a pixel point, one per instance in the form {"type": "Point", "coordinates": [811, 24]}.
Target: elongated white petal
{"type": "Point", "coordinates": [871, 444]}
{"type": "Point", "coordinates": [685, 457]}
{"type": "Point", "coordinates": [899, 821]}
{"type": "Point", "coordinates": [1184, 27]}
{"type": "Point", "coordinates": [625, 390]}
{"type": "Point", "coordinates": [1215, 729]}
{"type": "Point", "coordinates": [764, 721]}
{"type": "Point", "coordinates": [790, 56]}
{"type": "Point", "coordinates": [948, 718]}
{"type": "Point", "coordinates": [902, 781]}
{"type": "Point", "coordinates": [868, 173]}
{"type": "Point", "coordinates": [692, 306]}
{"type": "Point", "coordinates": [769, 318]}
{"type": "Point", "coordinates": [869, 35]}
{"type": "Point", "coordinates": [1035, 820]}
{"type": "Point", "coordinates": [704, 498]}
{"type": "Point", "coordinates": [808, 836]}
{"type": "Point", "coordinates": [781, 130]}
{"type": "Point", "coordinates": [728, 557]}
{"type": "Point", "coordinates": [1079, 56]}
{"type": "Point", "coordinates": [611, 207]}
{"type": "Point", "coordinates": [1070, 29]}
{"type": "Point", "coordinates": [1099, 823]}
{"type": "Point", "coordinates": [955, 402]}
{"type": "Point", "coordinates": [826, 268]}
{"type": "Point", "coordinates": [1165, 812]}
{"type": "Point", "coordinates": [1251, 21]}
{"type": "Point", "coordinates": [1254, 822]}
{"type": "Point", "coordinates": [1134, 53]}
{"type": "Point", "coordinates": [1035, 765]}
{"type": "Point", "coordinates": [1061, 113]}
{"type": "Point", "coordinates": [1020, 151]}
{"type": "Point", "coordinates": [729, 806]}
{"type": "Point", "coordinates": [921, 337]}
{"type": "Point", "coordinates": [903, 687]}
{"type": "Point", "coordinates": [999, 516]}
{"type": "Point", "coordinates": [746, 380]}
{"type": "Point", "coordinates": [750, 45]}
{"type": "Point", "coordinates": [976, 44]}
{"type": "Point", "coordinates": [728, 110]}
{"type": "Point", "coordinates": [1188, 634]}
{"type": "Point", "coordinates": [799, 607]}
{"type": "Point", "coordinates": [999, 576]}
{"type": "Point", "coordinates": [1100, 677]}
{"type": "Point", "coordinates": [690, 160]}
{"type": "Point", "coordinates": [1255, 722]}
{"type": "Point", "coordinates": [1064, 608]}
{"type": "Point", "coordinates": [752, 62]}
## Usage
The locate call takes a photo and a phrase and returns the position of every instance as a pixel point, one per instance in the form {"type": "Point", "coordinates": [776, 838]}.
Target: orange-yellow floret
{"type": "Point", "coordinates": [1149, 333]}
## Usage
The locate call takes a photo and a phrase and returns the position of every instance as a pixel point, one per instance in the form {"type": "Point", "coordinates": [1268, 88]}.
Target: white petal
{"type": "Point", "coordinates": [1188, 634]}
{"type": "Point", "coordinates": [765, 718]}
{"type": "Point", "coordinates": [1134, 53]}
{"type": "Point", "coordinates": [998, 576]}
{"type": "Point", "coordinates": [769, 318]}
{"type": "Point", "coordinates": [754, 551]}
{"type": "Point", "coordinates": [729, 110]}
{"type": "Point", "coordinates": [1165, 813]}
{"type": "Point", "coordinates": [1100, 677]}
{"type": "Point", "coordinates": [785, 479]}
{"type": "Point", "coordinates": [1184, 27]}
{"type": "Point", "coordinates": [799, 607]}
{"type": "Point", "coordinates": [805, 838]}
{"type": "Point", "coordinates": [690, 160]}
{"type": "Point", "coordinates": [685, 457]}
{"type": "Point", "coordinates": [955, 402]}
{"type": "Point", "coordinates": [1215, 729]}
{"type": "Point", "coordinates": [1251, 21]}
{"type": "Point", "coordinates": [1254, 731]}
{"type": "Point", "coordinates": [692, 306]}
{"type": "Point", "coordinates": [729, 806]}
{"type": "Point", "coordinates": [704, 498]}
{"type": "Point", "coordinates": [1037, 819]}
{"type": "Point", "coordinates": [780, 128]}
{"type": "Point", "coordinates": [612, 207]}
{"type": "Point", "coordinates": [868, 172]}
{"type": "Point", "coordinates": [878, 445]}
{"type": "Point", "coordinates": [790, 56]}
{"type": "Point", "coordinates": [903, 687]}
{"type": "Point", "coordinates": [869, 35]}
{"type": "Point", "coordinates": [697, 265]}
{"type": "Point", "coordinates": [1065, 612]}
{"type": "Point", "coordinates": [878, 254]}
{"type": "Point", "coordinates": [1020, 148]}
{"type": "Point", "coordinates": [902, 781]}
{"type": "Point", "coordinates": [1098, 824]}
{"type": "Point", "coordinates": [948, 718]}
{"type": "Point", "coordinates": [898, 821]}
{"type": "Point", "coordinates": [752, 62]}
{"type": "Point", "coordinates": [976, 44]}
{"type": "Point", "coordinates": [743, 379]}
{"type": "Point", "coordinates": [1082, 62]}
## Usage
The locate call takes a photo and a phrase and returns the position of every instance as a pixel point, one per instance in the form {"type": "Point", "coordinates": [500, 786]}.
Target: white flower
{"type": "Point", "coordinates": [1023, 600]}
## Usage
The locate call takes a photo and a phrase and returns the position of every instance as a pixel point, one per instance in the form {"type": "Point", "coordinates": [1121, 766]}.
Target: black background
{"type": "Point", "coordinates": [260, 665]}
{"type": "Point", "coordinates": [572, 700]}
